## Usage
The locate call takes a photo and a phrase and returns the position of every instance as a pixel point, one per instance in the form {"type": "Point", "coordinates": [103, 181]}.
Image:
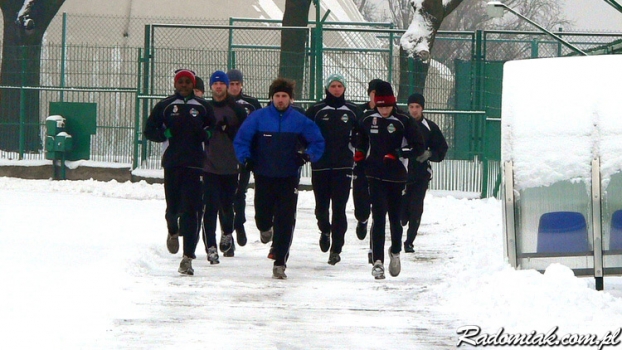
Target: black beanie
{"type": "Point", "coordinates": [372, 85]}
{"type": "Point", "coordinates": [384, 95]}
{"type": "Point", "coordinates": [417, 98]}
{"type": "Point", "coordinates": [200, 84]}
{"type": "Point", "coordinates": [282, 85]}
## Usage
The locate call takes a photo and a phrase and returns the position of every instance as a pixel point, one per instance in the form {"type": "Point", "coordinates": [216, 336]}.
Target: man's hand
{"type": "Point", "coordinates": [390, 157]}
{"type": "Point", "coordinates": [359, 156]}
{"type": "Point", "coordinates": [424, 156]}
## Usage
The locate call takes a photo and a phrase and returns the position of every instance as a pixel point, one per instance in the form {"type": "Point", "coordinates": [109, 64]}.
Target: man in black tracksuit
{"type": "Point", "coordinates": [331, 175]}
{"type": "Point", "coordinates": [419, 169]}
{"type": "Point", "coordinates": [250, 104]}
{"type": "Point", "coordinates": [360, 187]}
{"type": "Point", "coordinates": [387, 139]}
{"type": "Point", "coordinates": [268, 143]}
{"type": "Point", "coordinates": [184, 123]}
{"type": "Point", "coordinates": [221, 169]}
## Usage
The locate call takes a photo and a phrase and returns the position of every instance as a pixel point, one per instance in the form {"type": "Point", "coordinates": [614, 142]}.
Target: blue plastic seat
{"type": "Point", "coordinates": [562, 232]}
{"type": "Point", "coordinates": [615, 240]}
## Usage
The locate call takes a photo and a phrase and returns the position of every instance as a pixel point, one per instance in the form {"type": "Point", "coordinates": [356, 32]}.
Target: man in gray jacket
{"type": "Point", "coordinates": [220, 178]}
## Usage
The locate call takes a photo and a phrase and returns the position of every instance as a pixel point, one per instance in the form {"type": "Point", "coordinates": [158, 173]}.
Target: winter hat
{"type": "Point", "coordinates": [219, 76]}
{"type": "Point", "coordinates": [180, 73]}
{"type": "Point", "coordinates": [417, 98]}
{"type": "Point", "coordinates": [372, 85]}
{"type": "Point", "coordinates": [334, 77]}
{"type": "Point", "coordinates": [235, 75]}
{"type": "Point", "coordinates": [200, 85]}
{"type": "Point", "coordinates": [282, 85]}
{"type": "Point", "coordinates": [384, 95]}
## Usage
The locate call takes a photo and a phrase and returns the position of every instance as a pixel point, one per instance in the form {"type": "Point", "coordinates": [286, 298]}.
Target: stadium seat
{"type": "Point", "coordinates": [615, 240]}
{"type": "Point", "coordinates": [562, 232]}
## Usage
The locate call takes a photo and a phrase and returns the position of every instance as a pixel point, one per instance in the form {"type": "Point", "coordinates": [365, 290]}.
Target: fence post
{"type": "Point", "coordinates": [146, 60]}
{"type": "Point", "coordinates": [230, 63]}
{"type": "Point", "coordinates": [534, 48]}
{"type": "Point", "coordinates": [390, 66]}
{"type": "Point", "coordinates": [137, 129]}
{"type": "Point", "coordinates": [22, 105]}
{"type": "Point", "coordinates": [63, 57]}
{"type": "Point", "coordinates": [478, 101]}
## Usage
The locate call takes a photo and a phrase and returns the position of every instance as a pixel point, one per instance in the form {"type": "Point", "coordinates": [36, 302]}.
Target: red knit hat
{"type": "Point", "coordinates": [384, 95]}
{"type": "Point", "coordinates": [186, 73]}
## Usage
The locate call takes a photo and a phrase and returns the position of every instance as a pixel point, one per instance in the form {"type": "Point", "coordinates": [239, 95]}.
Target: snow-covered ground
{"type": "Point", "coordinates": [84, 266]}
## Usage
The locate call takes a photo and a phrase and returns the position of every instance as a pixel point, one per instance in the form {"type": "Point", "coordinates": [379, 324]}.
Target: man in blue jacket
{"type": "Point", "coordinates": [268, 143]}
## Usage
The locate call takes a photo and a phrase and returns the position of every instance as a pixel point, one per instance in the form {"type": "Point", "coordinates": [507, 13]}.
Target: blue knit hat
{"type": "Point", "coordinates": [219, 76]}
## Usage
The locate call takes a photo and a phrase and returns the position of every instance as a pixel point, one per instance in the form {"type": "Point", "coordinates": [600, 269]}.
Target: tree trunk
{"type": "Point", "coordinates": [25, 23]}
{"type": "Point", "coordinates": [413, 75]}
{"type": "Point", "coordinates": [293, 41]}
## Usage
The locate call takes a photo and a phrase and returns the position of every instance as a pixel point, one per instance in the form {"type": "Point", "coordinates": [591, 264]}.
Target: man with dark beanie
{"type": "Point", "coordinates": [268, 144]}
{"type": "Point", "coordinates": [199, 88]}
{"type": "Point", "coordinates": [419, 169]}
{"type": "Point", "coordinates": [360, 187]}
{"type": "Point", "coordinates": [184, 123]}
{"type": "Point", "coordinates": [387, 139]}
{"type": "Point", "coordinates": [331, 175]}
{"type": "Point", "coordinates": [250, 104]}
{"type": "Point", "coordinates": [221, 170]}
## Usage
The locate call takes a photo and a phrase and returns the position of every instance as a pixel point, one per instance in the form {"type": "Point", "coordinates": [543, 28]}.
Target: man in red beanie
{"type": "Point", "coordinates": [184, 123]}
{"type": "Point", "coordinates": [387, 139]}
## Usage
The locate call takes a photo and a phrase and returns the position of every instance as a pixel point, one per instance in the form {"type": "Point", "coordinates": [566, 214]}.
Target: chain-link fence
{"type": "Point", "coordinates": [125, 65]}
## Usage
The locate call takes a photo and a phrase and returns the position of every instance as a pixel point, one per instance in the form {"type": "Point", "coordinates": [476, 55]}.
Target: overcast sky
{"type": "Point", "coordinates": [593, 15]}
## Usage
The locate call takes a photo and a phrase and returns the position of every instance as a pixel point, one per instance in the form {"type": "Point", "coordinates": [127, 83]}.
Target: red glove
{"type": "Point", "coordinates": [359, 156]}
{"type": "Point", "coordinates": [389, 157]}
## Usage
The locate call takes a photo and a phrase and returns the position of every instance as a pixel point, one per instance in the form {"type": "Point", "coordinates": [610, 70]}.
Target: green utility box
{"type": "Point", "coordinates": [80, 123]}
{"type": "Point", "coordinates": [56, 138]}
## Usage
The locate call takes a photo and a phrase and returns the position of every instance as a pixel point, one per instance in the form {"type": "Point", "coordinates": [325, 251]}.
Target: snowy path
{"type": "Point", "coordinates": [85, 265]}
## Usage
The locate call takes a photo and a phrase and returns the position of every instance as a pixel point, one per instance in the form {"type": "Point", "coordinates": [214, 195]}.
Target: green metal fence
{"type": "Point", "coordinates": [463, 86]}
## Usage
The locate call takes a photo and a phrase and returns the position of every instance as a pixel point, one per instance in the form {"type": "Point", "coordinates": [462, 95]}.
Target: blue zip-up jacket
{"type": "Point", "coordinates": [271, 138]}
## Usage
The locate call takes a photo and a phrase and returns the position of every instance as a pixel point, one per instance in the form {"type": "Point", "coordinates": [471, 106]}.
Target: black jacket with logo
{"type": "Point", "coordinates": [338, 122]}
{"type": "Point", "coordinates": [187, 119]}
{"type": "Point", "coordinates": [434, 142]}
{"type": "Point", "coordinates": [396, 134]}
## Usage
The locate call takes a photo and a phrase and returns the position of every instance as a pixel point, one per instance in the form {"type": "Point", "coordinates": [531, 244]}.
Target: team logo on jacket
{"type": "Point", "coordinates": [175, 109]}
{"type": "Point", "coordinates": [344, 118]}
{"type": "Point", "coordinates": [194, 112]}
{"type": "Point", "coordinates": [325, 117]}
{"type": "Point", "coordinates": [391, 128]}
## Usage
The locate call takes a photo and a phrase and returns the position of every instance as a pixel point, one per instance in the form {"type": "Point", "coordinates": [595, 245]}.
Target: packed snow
{"type": "Point", "coordinates": [85, 266]}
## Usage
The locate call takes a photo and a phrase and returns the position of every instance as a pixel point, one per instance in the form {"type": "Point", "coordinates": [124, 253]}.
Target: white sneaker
{"type": "Point", "coordinates": [378, 270]}
{"type": "Point", "coordinates": [185, 267]}
{"type": "Point", "coordinates": [266, 236]}
{"type": "Point", "coordinates": [212, 256]}
{"type": "Point", "coordinates": [278, 272]}
{"type": "Point", "coordinates": [395, 266]}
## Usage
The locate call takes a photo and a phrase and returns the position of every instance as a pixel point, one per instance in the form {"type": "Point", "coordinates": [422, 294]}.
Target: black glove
{"type": "Point", "coordinates": [248, 164]}
{"type": "Point", "coordinates": [424, 156]}
{"type": "Point", "coordinates": [302, 158]}
{"type": "Point", "coordinates": [404, 152]}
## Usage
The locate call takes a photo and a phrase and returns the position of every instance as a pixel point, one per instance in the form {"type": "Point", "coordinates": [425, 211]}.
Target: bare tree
{"type": "Point", "coordinates": [25, 22]}
{"type": "Point", "coordinates": [471, 15]}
